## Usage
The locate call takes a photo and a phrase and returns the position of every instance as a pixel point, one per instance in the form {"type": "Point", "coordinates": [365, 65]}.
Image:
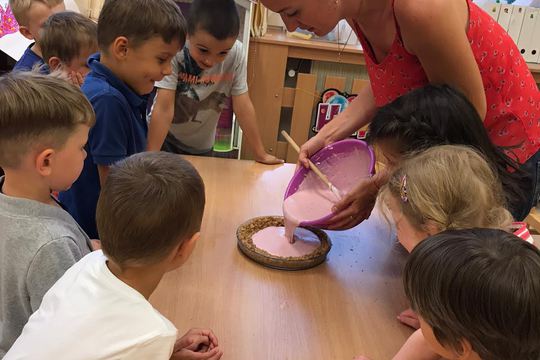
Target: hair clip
{"type": "Point", "coordinates": [403, 189]}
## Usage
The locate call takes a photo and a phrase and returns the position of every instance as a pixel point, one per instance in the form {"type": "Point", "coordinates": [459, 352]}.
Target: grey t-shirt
{"type": "Point", "coordinates": [200, 98]}
{"type": "Point", "coordinates": [38, 243]}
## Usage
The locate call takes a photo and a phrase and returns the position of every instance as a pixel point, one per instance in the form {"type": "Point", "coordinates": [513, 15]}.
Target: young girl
{"type": "Point", "coordinates": [438, 115]}
{"type": "Point", "coordinates": [473, 307]}
{"type": "Point", "coordinates": [446, 187]}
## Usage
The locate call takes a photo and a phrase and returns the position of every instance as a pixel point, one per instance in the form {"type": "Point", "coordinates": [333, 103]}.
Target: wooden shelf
{"type": "Point", "coordinates": [329, 51]}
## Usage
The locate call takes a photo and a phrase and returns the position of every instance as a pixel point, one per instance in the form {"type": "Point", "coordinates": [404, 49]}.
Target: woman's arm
{"type": "Point", "coordinates": [359, 113]}
{"type": "Point", "coordinates": [436, 32]}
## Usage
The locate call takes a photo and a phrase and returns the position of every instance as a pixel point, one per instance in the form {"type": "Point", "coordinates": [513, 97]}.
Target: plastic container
{"type": "Point", "coordinates": [335, 162]}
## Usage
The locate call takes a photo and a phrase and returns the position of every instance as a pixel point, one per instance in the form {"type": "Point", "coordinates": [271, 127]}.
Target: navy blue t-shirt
{"type": "Point", "coordinates": [28, 60]}
{"type": "Point", "coordinates": [120, 131]}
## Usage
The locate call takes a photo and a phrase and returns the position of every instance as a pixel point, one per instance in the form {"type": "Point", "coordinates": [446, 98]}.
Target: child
{"type": "Point", "coordinates": [137, 40]}
{"type": "Point", "coordinates": [44, 125]}
{"type": "Point", "coordinates": [30, 15]}
{"type": "Point", "coordinates": [438, 115]}
{"type": "Point", "coordinates": [100, 306]}
{"type": "Point", "coordinates": [446, 187]}
{"type": "Point", "coordinates": [209, 69]}
{"type": "Point", "coordinates": [482, 298]}
{"type": "Point", "coordinates": [67, 41]}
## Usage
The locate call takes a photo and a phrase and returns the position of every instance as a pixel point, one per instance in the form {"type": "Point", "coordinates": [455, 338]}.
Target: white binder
{"type": "Point", "coordinates": [505, 15]}
{"type": "Point", "coordinates": [526, 43]}
{"type": "Point", "coordinates": [516, 21]}
{"type": "Point", "coordinates": [536, 41]}
{"type": "Point", "coordinates": [492, 9]}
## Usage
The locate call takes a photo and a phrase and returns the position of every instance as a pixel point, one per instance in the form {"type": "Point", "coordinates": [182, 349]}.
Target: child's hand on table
{"type": "Point", "coordinates": [197, 344]}
{"type": "Point", "coordinates": [409, 318]}
{"type": "Point", "coordinates": [268, 159]}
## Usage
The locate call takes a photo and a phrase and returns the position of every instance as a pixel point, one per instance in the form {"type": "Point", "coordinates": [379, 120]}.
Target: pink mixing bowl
{"type": "Point", "coordinates": [327, 160]}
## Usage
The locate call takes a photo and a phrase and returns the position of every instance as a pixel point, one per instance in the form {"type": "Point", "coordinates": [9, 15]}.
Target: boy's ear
{"type": "Point", "coordinates": [466, 350]}
{"type": "Point", "coordinates": [187, 246]}
{"type": "Point", "coordinates": [44, 160]}
{"type": "Point", "coordinates": [26, 33]}
{"type": "Point", "coordinates": [54, 63]}
{"type": "Point", "coordinates": [119, 48]}
{"type": "Point", "coordinates": [184, 250]}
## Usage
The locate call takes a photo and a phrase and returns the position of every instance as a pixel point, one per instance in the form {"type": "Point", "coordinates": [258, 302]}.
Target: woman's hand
{"type": "Point", "coordinates": [310, 147]}
{"type": "Point", "coordinates": [355, 207]}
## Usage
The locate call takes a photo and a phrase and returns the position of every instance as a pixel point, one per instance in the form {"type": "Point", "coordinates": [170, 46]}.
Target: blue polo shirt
{"type": "Point", "coordinates": [120, 131]}
{"type": "Point", "coordinates": [28, 60]}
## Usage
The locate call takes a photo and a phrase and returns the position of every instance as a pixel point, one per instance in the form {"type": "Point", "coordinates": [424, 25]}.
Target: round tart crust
{"type": "Point", "coordinates": [248, 248]}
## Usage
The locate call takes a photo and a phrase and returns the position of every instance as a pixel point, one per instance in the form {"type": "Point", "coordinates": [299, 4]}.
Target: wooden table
{"type": "Point", "coordinates": [344, 307]}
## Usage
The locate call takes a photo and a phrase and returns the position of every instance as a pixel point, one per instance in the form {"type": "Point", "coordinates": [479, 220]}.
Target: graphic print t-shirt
{"type": "Point", "coordinates": [201, 96]}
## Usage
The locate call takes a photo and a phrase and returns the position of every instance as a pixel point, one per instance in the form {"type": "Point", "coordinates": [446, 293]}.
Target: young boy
{"type": "Point", "coordinates": [137, 40]}
{"type": "Point", "coordinates": [67, 41]}
{"type": "Point", "coordinates": [44, 125]}
{"type": "Point", "coordinates": [99, 309]}
{"type": "Point", "coordinates": [31, 14]}
{"type": "Point", "coordinates": [476, 294]}
{"type": "Point", "coordinates": [209, 69]}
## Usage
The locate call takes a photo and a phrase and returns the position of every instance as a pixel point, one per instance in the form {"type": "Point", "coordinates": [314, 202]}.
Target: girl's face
{"type": "Point", "coordinates": [408, 235]}
{"type": "Point", "coordinates": [317, 16]}
{"type": "Point", "coordinates": [390, 151]}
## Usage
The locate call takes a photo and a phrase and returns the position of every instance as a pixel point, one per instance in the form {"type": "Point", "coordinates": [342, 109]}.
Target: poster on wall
{"type": "Point", "coordinates": [11, 41]}
{"type": "Point", "coordinates": [8, 24]}
{"type": "Point", "coordinates": [331, 104]}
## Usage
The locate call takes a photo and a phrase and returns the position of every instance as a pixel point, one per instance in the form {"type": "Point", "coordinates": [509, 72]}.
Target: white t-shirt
{"type": "Point", "coordinates": [200, 98]}
{"type": "Point", "coordinates": [90, 314]}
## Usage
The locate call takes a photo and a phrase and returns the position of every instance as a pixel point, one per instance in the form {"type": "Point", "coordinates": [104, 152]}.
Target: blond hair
{"type": "Point", "coordinates": [451, 187]}
{"type": "Point", "coordinates": [20, 8]}
{"type": "Point", "coordinates": [38, 110]}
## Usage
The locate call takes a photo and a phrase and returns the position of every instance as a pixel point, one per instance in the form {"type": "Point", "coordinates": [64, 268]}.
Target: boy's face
{"type": "Point", "coordinates": [80, 63]}
{"type": "Point", "coordinates": [147, 63]}
{"type": "Point", "coordinates": [208, 51]}
{"type": "Point", "coordinates": [37, 15]}
{"type": "Point", "coordinates": [68, 161]}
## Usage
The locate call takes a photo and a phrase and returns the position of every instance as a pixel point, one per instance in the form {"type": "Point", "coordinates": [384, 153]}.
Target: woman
{"type": "Point", "coordinates": [410, 43]}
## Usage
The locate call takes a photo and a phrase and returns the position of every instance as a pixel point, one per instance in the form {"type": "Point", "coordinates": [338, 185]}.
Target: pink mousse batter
{"type": "Point", "coordinates": [272, 239]}
{"type": "Point", "coordinates": [312, 201]}
{"type": "Point", "coordinates": [306, 205]}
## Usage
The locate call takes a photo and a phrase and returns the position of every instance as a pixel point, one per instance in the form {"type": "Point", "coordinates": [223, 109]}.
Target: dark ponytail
{"type": "Point", "coordinates": [437, 115]}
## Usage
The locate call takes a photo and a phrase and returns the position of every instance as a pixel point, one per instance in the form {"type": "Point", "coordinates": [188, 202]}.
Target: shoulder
{"type": "Point", "coordinates": [420, 13]}
{"type": "Point", "coordinates": [104, 97]}
{"type": "Point", "coordinates": [63, 239]}
{"type": "Point", "coordinates": [237, 50]}
{"type": "Point", "coordinates": [98, 89]}
{"type": "Point", "coordinates": [235, 58]}
{"type": "Point", "coordinates": [32, 233]}
{"type": "Point", "coordinates": [431, 23]}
